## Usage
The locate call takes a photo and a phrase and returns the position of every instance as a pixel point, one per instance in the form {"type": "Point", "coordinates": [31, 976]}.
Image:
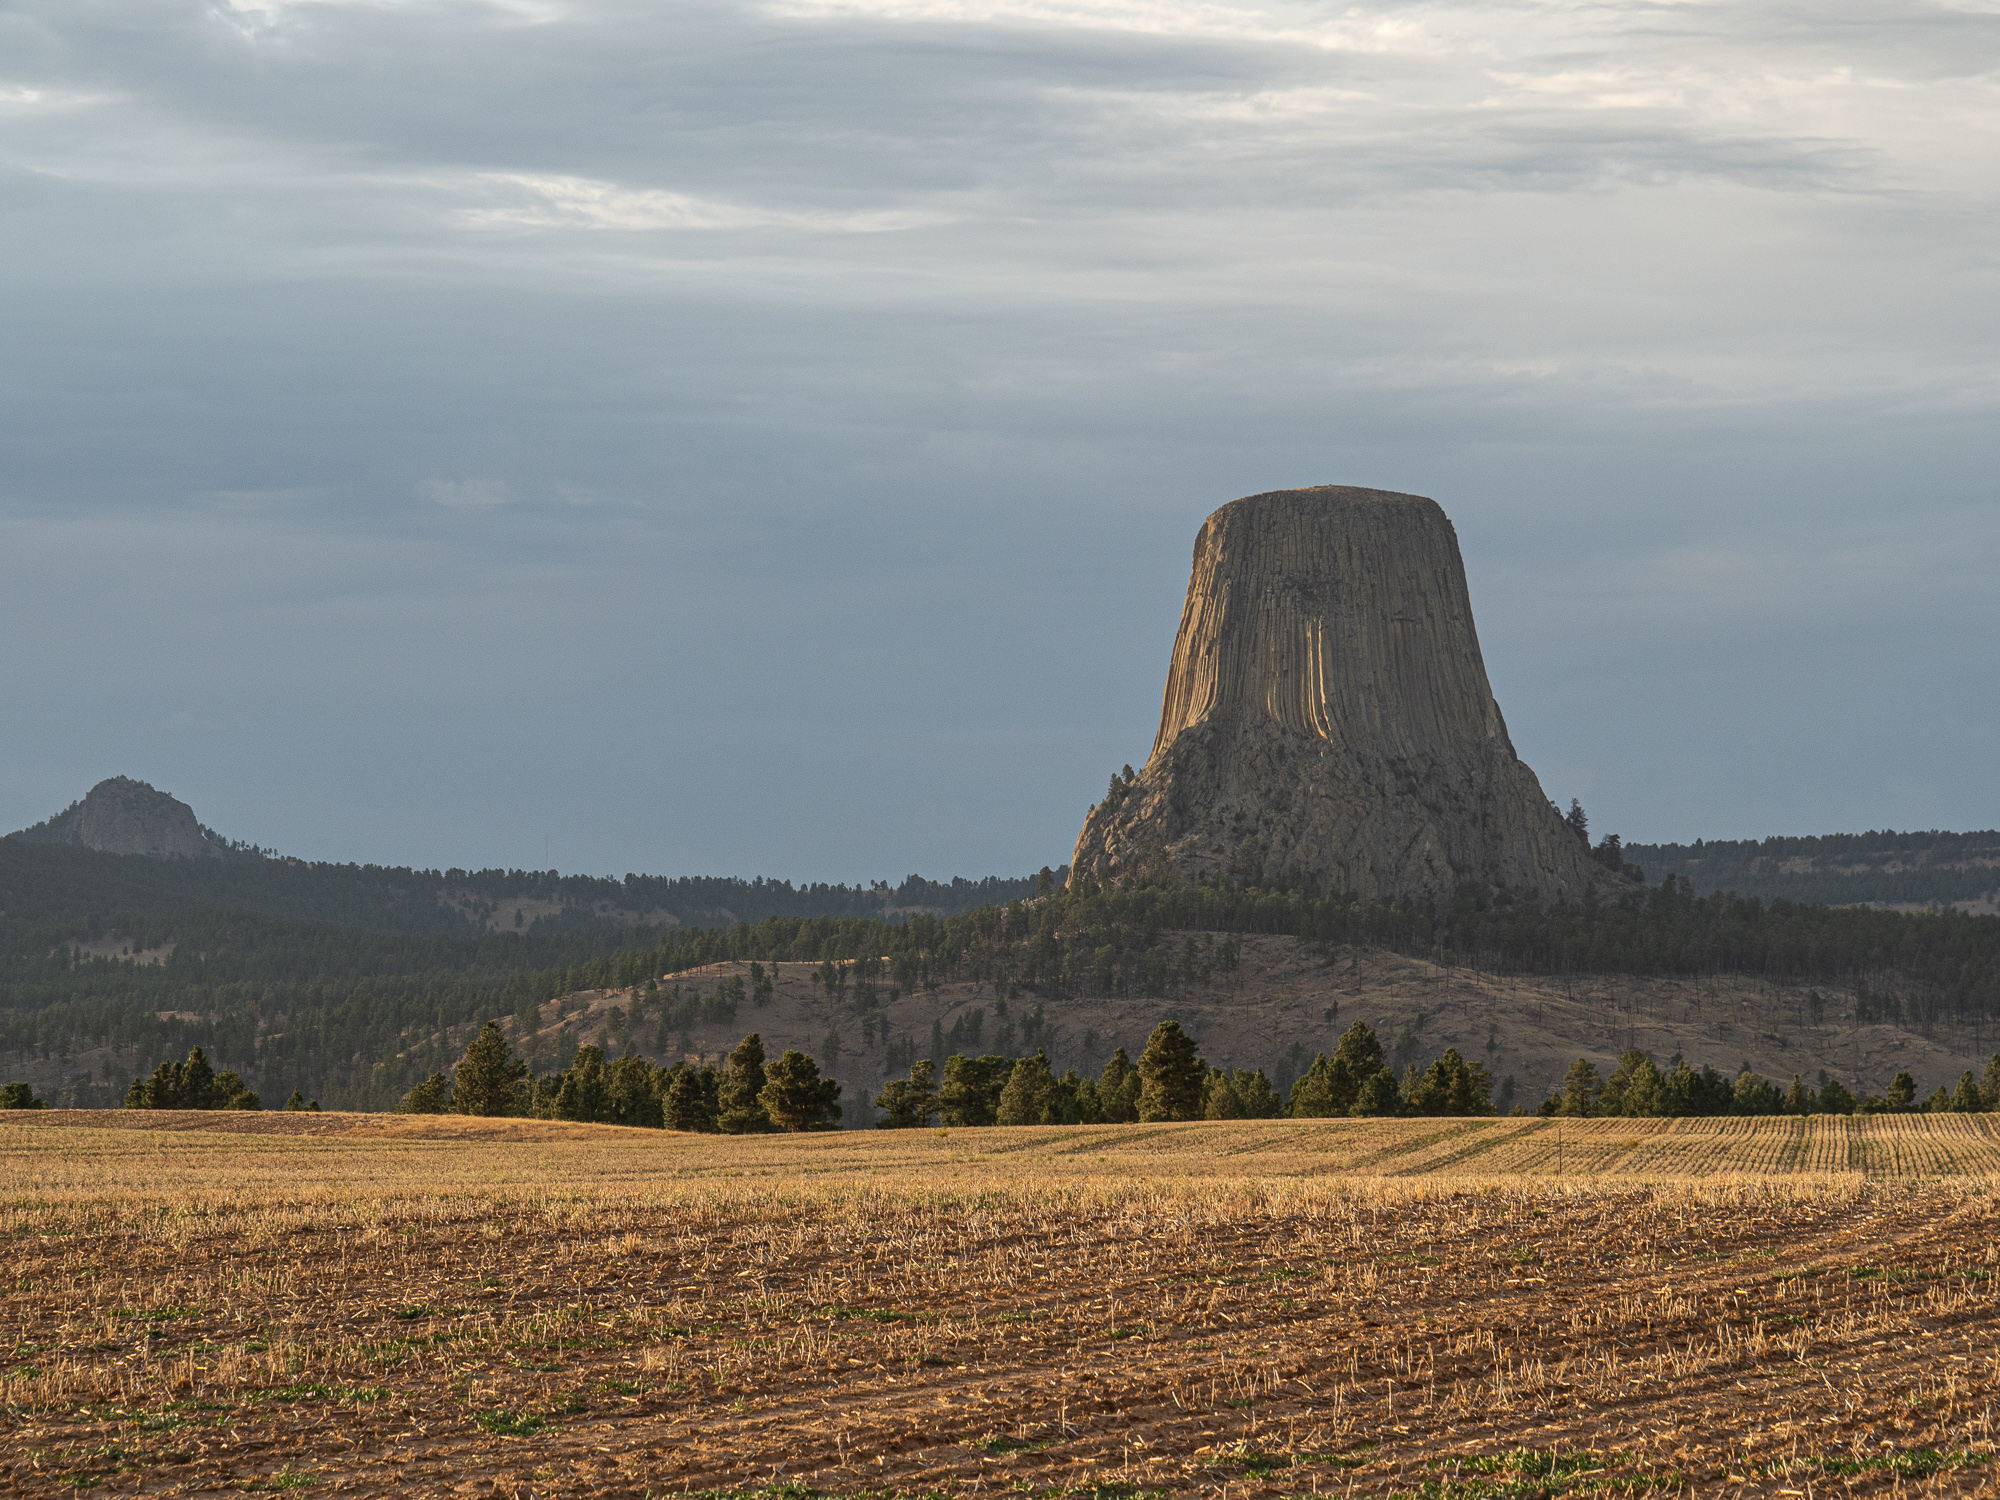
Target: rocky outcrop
{"type": "Point", "coordinates": [123, 816]}
{"type": "Point", "coordinates": [1327, 717]}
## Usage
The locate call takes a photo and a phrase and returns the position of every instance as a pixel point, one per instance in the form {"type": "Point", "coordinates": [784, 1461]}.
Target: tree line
{"type": "Point", "coordinates": [358, 1018]}
{"type": "Point", "coordinates": [1171, 1081]}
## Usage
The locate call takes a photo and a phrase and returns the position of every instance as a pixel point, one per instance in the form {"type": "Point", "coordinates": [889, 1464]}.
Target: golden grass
{"type": "Point", "coordinates": [201, 1303]}
{"type": "Point", "coordinates": [60, 1156]}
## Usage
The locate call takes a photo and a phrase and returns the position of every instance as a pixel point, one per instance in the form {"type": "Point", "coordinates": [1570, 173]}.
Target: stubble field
{"type": "Point", "coordinates": [214, 1304]}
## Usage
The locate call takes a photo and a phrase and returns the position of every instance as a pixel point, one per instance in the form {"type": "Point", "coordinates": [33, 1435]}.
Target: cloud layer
{"type": "Point", "coordinates": [767, 437]}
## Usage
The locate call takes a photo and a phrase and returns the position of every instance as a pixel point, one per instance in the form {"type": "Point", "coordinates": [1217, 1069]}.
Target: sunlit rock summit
{"type": "Point", "coordinates": [1327, 717]}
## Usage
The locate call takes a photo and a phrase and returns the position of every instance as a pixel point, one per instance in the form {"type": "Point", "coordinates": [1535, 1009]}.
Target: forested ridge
{"type": "Point", "coordinates": [318, 975]}
{"type": "Point", "coordinates": [1916, 867]}
{"type": "Point", "coordinates": [356, 1017]}
{"type": "Point", "coordinates": [77, 894]}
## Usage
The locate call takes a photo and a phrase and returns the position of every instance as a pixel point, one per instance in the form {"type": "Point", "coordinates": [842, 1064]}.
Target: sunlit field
{"type": "Point", "coordinates": [217, 1303]}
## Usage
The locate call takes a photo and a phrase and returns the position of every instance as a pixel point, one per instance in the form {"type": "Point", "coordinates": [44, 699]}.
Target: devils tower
{"type": "Point", "coordinates": [1327, 717]}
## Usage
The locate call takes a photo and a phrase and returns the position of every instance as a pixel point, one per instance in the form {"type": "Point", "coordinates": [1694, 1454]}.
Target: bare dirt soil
{"type": "Point", "coordinates": [525, 1308]}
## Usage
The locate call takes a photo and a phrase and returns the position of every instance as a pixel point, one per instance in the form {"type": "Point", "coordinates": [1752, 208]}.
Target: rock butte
{"type": "Point", "coordinates": [1327, 717]}
{"type": "Point", "coordinates": [123, 816]}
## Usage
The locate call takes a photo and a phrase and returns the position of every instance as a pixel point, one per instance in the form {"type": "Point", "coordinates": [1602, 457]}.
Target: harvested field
{"type": "Point", "coordinates": [207, 1304]}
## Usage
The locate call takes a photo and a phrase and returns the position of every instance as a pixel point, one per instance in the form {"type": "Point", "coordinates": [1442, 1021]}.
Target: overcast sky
{"type": "Point", "coordinates": [768, 438]}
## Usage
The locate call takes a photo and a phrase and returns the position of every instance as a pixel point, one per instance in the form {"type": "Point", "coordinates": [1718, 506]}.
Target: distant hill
{"type": "Point", "coordinates": [68, 869]}
{"type": "Point", "coordinates": [123, 816]}
{"type": "Point", "coordinates": [1911, 870]}
{"type": "Point", "coordinates": [304, 972]}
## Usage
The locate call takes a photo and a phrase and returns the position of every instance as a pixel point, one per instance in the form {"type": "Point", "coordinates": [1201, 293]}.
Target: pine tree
{"type": "Point", "coordinates": [970, 1094]}
{"type": "Point", "coordinates": [796, 1098]}
{"type": "Point", "coordinates": [1219, 1099]}
{"type": "Point", "coordinates": [1170, 1075]}
{"type": "Point", "coordinates": [229, 1093]}
{"type": "Point", "coordinates": [197, 1085]}
{"type": "Point", "coordinates": [1118, 1090]}
{"type": "Point", "coordinates": [583, 1092]}
{"type": "Point", "coordinates": [1966, 1098]}
{"type": "Point", "coordinates": [1361, 1051]}
{"type": "Point", "coordinates": [1580, 1090]}
{"type": "Point", "coordinates": [1254, 1092]}
{"type": "Point", "coordinates": [1451, 1086]}
{"type": "Point", "coordinates": [1798, 1098]}
{"type": "Point", "coordinates": [688, 1104]}
{"type": "Point", "coordinates": [489, 1077]}
{"type": "Point", "coordinates": [909, 1104]}
{"type": "Point", "coordinates": [1989, 1086]}
{"type": "Point", "coordinates": [740, 1095]}
{"type": "Point", "coordinates": [1025, 1099]}
{"type": "Point", "coordinates": [20, 1096]}
{"type": "Point", "coordinates": [1834, 1099]}
{"type": "Point", "coordinates": [1378, 1096]}
{"type": "Point", "coordinates": [1312, 1092]}
{"type": "Point", "coordinates": [1902, 1095]}
{"type": "Point", "coordinates": [431, 1097]}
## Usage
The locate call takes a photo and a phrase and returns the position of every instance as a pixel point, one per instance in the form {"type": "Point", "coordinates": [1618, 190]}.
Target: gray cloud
{"type": "Point", "coordinates": [768, 437]}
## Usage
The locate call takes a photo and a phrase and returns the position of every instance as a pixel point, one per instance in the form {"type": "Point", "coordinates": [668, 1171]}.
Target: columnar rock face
{"type": "Point", "coordinates": [123, 816]}
{"type": "Point", "coordinates": [1328, 719]}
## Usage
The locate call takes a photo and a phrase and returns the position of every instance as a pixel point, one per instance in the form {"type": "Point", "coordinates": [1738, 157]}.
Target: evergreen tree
{"type": "Point", "coordinates": [1834, 1099]}
{"type": "Point", "coordinates": [741, 1095]}
{"type": "Point", "coordinates": [1361, 1051]}
{"type": "Point", "coordinates": [1755, 1096]}
{"type": "Point", "coordinates": [228, 1092]}
{"type": "Point", "coordinates": [1630, 1067]}
{"type": "Point", "coordinates": [20, 1096]}
{"type": "Point", "coordinates": [583, 1092]}
{"type": "Point", "coordinates": [1073, 1101]}
{"type": "Point", "coordinates": [1902, 1095]}
{"type": "Point", "coordinates": [1025, 1099]}
{"type": "Point", "coordinates": [1378, 1096]}
{"type": "Point", "coordinates": [182, 1085]}
{"type": "Point", "coordinates": [1989, 1086]}
{"type": "Point", "coordinates": [1170, 1075]}
{"type": "Point", "coordinates": [1219, 1099]}
{"type": "Point", "coordinates": [691, 1099]}
{"type": "Point", "coordinates": [1451, 1086]}
{"type": "Point", "coordinates": [1578, 821]}
{"type": "Point", "coordinates": [489, 1079]}
{"type": "Point", "coordinates": [431, 1097]}
{"type": "Point", "coordinates": [1966, 1099]}
{"type": "Point", "coordinates": [796, 1098]}
{"type": "Point", "coordinates": [1312, 1092]}
{"type": "Point", "coordinates": [1798, 1098]}
{"type": "Point", "coordinates": [197, 1082]}
{"type": "Point", "coordinates": [970, 1094]}
{"type": "Point", "coordinates": [1328, 1088]}
{"type": "Point", "coordinates": [1686, 1092]}
{"type": "Point", "coordinates": [1254, 1092]}
{"type": "Point", "coordinates": [909, 1104]}
{"type": "Point", "coordinates": [634, 1088]}
{"type": "Point", "coordinates": [1118, 1090]}
{"type": "Point", "coordinates": [1580, 1090]}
